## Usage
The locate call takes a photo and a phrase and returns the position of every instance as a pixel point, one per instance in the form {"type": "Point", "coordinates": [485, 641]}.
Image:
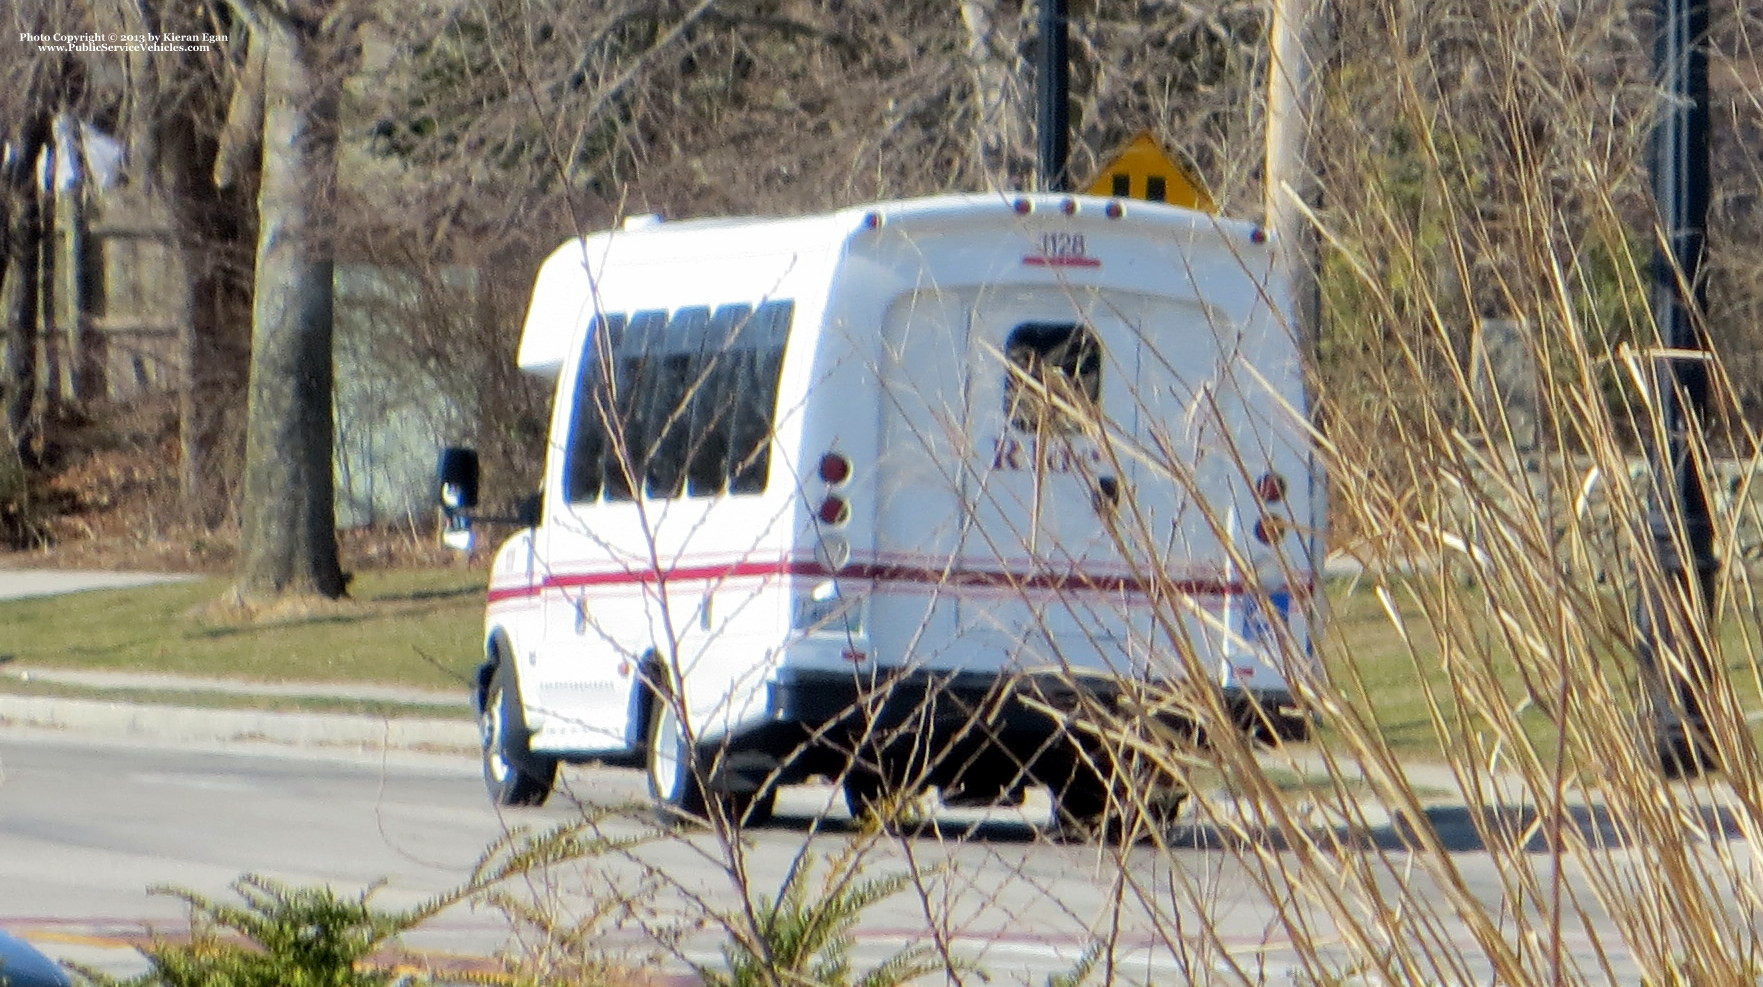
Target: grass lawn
{"type": "Point", "coordinates": [415, 628]}
{"type": "Point", "coordinates": [1371, 666]}
{"type": "Point", "coordinates": [423, 628]}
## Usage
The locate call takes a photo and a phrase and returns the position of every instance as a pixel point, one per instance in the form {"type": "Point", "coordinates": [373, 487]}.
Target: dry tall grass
{"type": "Point", "coordinates": [1480, 161]}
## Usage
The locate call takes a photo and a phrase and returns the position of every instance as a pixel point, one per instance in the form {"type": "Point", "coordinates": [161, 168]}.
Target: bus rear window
{"type": "Point", "coordinates": [1055, 376]}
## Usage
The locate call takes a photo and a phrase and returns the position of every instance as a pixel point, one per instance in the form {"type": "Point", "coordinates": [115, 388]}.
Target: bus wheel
{"type": "Point", "coordinates": [1117, 807]}
{"type": "Point", "coordinates": [677, 782]}
{"type": "Point", "coordinates": [513, 774]}
{"type": "Point", "coordinates": [864, 791]}
{"type": "Point", "coordinates": [874, 800]}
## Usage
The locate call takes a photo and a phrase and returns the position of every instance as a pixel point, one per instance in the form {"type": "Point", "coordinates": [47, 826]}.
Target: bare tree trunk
{"type": "Point", "coordinates": [20, 280]}
{"type": "Point", "coordinates": [288, 528]}
{"type": "Point", "coordinates": [49, 350]}
{"type": "Point", "coordinates": [70, 246]}
{"type": "Point", "coordinates": [171, 127]}
{"type": "Point", "coordinates": [213, 231]}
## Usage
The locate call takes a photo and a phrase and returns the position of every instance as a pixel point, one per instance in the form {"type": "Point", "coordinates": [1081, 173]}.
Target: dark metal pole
{"type": "Point", "coordinates": [1682, 530]}
{"type": "Point", "coordinates": [1055, 89]}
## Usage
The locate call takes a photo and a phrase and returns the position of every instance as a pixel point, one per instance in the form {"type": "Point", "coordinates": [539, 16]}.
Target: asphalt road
{"type": "Point", "coordinates": [87, 826]}
{"type": "Point", "coordinates": [99, 810]}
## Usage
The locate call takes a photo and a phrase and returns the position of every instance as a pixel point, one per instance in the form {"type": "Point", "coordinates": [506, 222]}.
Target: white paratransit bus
{"type": "Point", "coordinates": [897, 494]}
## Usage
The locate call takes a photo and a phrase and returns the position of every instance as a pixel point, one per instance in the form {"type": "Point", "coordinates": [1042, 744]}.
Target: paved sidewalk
{"type": "Point", "coordinates": [17, 584]}
{"type": "Point", "coordinates": [448, 728]}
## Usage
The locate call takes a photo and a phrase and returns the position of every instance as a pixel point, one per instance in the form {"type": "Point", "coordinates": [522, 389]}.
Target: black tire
{"type": "Point", "coordinates": [1274, 727]}
{"type": "Point", "coordinates": [1098, 801]}
{"type": "Point", "coordinates": [1295, 728]}
{"type": "Point", "coordinates": [874, 800]}
{"type": "Point", "coordinates": [676, 776]}
{"type": "Point", "coordinates": [864, 791]}
{"type": "Point", "coordinates": [1683, 751]}
{"type": "Point", "coordinates": [513, 774]}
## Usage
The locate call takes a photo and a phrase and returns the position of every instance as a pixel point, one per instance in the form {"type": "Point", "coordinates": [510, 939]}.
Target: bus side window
{"type": "Point", "coordinates": [626, 460]}
{"type": "Point", "coordinates": [714, 402]}
{"type": "Point", "coordinates": [1054, 380]}
{"type": "Point", "coordinates": [674, 361]}
{"type": "Point", "coordinates": [761, 357]}
{"type": "Point", "coordinates": [584, 469]}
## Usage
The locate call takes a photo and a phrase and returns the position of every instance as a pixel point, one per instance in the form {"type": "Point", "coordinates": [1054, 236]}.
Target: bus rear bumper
{"type": "Point", "coordinates": [972, 730]}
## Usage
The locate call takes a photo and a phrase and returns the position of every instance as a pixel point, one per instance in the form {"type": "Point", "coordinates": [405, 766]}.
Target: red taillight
{"type": "Point", "coordinates": [1269, 530]}
{"type": "Point", "coordinates": [1270, 488]}
{"type": "Point", "coordinates": [834, 510]}
{"type": "Point", "coordinates": [834, 468]}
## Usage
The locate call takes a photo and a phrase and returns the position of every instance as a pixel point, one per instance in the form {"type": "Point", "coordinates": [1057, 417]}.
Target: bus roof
{"type": "Point", "coordinates": [565, 299]}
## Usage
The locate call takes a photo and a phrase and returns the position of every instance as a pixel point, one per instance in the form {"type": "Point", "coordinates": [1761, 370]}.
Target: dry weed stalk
{"type": "Point", "coordinates": [1506, 824]}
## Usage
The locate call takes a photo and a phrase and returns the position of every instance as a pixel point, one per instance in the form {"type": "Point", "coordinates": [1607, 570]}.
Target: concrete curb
{"type": "Point", "coordinates": [182, 724]}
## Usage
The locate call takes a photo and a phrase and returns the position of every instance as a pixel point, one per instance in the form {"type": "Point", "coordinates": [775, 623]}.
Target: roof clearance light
{"type": "Point", "coordinates": [1258, 235]}
{"type": "Point", "coordinates": [872, 220]}
{"type": "Point", "coordinates": [834, 468]}
{"type": "Point", "coordinates": [1068, 207]}
{"type": "Point", "coordinates": [1113, 210]}
{"type": "Point", "coordinates": [1270, 488]}
{"type": "Point", "coordinates": [1023, 206]}
{"type": "Point", "coordinates": [833, 511]}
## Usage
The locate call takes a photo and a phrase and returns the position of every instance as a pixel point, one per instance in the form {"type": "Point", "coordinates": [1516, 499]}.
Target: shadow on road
{"type": "Point", "coordinates": [1470, 829]}
{"type": "Point", "coordinates": [1454, 829]}
{"type": "Point", "coordinates": [1451, 828]}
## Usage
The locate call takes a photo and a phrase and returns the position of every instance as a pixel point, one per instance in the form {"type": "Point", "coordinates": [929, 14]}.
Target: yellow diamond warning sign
{"type": "Point", "coordinates": [1147, 170]}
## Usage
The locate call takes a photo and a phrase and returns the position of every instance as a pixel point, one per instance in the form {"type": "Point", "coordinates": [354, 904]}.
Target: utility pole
{"type": "Point", "coordinates": [1054, 128]}
{"type": "Point", "coordinates": [1672, 619]}
{"type": "Point", "coordinates": [1290, 184]}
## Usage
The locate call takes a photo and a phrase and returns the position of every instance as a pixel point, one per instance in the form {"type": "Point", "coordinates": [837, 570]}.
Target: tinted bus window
{"type": "Point", "coordinates": [674, 361]}
{"type": "Point", "coordinates": [584, 466]}
{"type": "Point", "coordinates": [714, 402]}
{"type": "Point", "coordinates": [626, 454]}
{"type": "Point", "coordinates": [1055, 376]}
{"type": "Point", "coordinates": [761, 357]}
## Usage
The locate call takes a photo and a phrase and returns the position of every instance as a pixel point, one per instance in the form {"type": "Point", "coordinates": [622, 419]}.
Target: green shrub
{"type": "Point", "coordinates": [802, 936]}
{"type": "Point", "coordinates": [280, 936]}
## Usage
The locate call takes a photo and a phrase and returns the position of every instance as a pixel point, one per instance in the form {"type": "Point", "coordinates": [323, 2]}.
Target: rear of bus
{"type": "Point", "coordinates": [1091, 470]}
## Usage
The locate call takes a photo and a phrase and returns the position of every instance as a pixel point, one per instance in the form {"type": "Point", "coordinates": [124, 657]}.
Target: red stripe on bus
{"type": "Point", "coordinates": [885, 573]}
{"type": "Point", "coordinates": [1038, 260]}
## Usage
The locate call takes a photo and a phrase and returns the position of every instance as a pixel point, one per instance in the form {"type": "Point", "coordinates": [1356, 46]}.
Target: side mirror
{"type": "Point", "coordinates": [458, 475]}
{"type": "Point", "coordinates": [456, 489]}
